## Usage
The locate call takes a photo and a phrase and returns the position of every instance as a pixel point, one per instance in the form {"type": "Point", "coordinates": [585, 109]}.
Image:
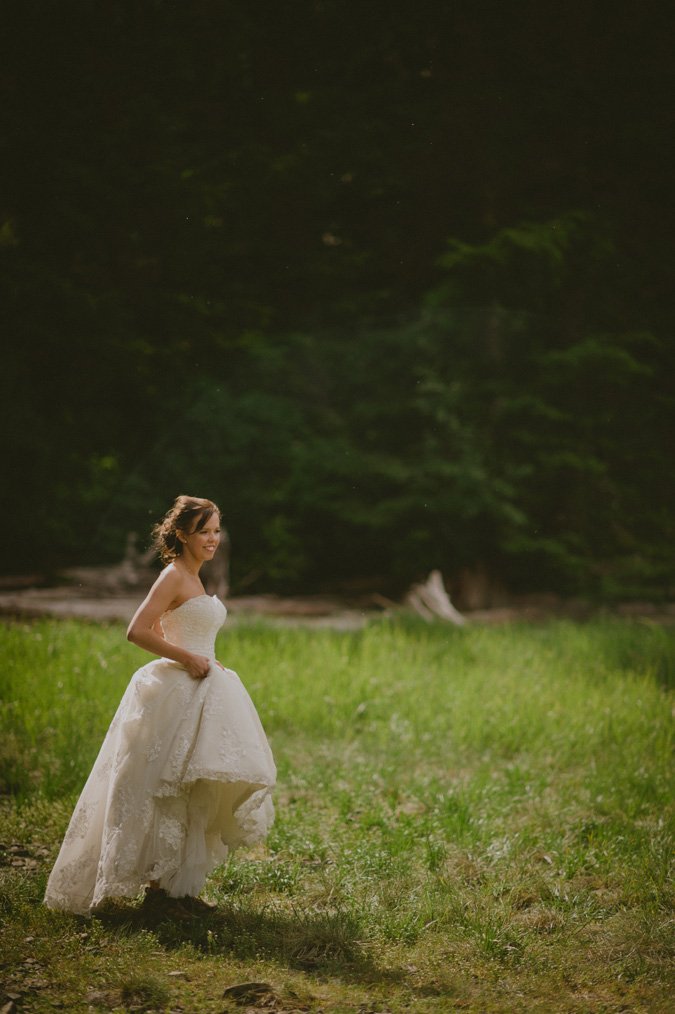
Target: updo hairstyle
{"type": "Point", "coordinates": [189, 514]}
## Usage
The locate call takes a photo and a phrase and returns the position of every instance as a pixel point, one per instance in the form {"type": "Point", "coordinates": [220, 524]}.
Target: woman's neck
{"type": "Point", "coordinates": [191, 566]}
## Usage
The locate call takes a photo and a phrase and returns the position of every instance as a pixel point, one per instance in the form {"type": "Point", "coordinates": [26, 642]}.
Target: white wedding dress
{"type": "Point", "coordinates": [183, 778]}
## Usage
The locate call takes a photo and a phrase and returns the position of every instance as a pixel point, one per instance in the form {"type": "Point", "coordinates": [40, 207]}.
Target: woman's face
{"type": "Point", "coordinates": [202, 544]}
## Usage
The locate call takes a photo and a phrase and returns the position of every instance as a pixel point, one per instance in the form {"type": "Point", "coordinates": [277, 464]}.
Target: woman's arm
{"type": "Point", "coordinates": [143, 628]}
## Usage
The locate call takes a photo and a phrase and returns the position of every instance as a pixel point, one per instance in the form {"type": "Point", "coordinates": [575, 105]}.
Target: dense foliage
{"type": "Point", "coordinates": [392, 285]}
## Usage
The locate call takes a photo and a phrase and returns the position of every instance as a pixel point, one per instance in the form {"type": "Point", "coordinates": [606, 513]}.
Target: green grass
{"type": "Point", "coordinates": [479, 820]}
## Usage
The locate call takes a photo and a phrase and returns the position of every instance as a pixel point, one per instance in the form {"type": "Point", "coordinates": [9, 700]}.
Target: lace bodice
{"type": "Point", "coordinates": [195, 623]}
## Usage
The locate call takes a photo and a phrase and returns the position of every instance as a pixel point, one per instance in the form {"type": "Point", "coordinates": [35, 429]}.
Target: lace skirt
{"type": "Point", "coordinates": [183, 778]}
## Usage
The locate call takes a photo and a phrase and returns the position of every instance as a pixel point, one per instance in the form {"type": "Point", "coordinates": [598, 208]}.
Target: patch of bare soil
{"type": "Point", "coordinates": [108, 606]}
{"type": "Point", "coordinates": [104, 604]}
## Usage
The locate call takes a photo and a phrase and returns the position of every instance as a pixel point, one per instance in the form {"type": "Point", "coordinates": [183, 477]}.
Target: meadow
{"type": "Point", "coordinates": [477, 819]}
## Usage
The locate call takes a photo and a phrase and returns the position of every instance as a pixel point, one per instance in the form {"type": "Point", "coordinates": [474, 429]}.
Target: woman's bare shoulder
{"type": "Point", "coordinates": [170, 577]}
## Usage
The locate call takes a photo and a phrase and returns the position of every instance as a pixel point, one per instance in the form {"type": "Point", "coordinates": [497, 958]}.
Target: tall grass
{"type": "Point", "coordinates": [464, 817]}
{"type": "Point", "coordinates": [563, 693]}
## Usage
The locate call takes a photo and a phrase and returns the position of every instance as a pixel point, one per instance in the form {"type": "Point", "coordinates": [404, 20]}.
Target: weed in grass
{"type": "Point", "coordinates": [278, 875]}
{"type": "Point", "coordinates": [140, 990]}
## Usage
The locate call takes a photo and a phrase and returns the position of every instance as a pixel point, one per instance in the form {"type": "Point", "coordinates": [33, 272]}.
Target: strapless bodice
{"type": "Point", "coordinates": [195, 623]}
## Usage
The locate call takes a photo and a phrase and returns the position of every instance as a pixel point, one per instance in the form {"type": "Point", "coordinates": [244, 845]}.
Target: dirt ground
{"type": "Point", "coordinates": [103, 605]}
{"type": "Point", "coordinates": [109, 608]}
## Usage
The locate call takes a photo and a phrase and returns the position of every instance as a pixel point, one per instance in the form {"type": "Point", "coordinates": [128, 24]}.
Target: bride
{"type": "Point", "coordinates": [185, 772]}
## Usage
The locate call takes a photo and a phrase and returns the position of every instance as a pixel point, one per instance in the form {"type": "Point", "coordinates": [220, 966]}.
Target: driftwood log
{"type": "Point", "coordinates": [136, 572]}
{"type": "Point", "coordinates": [132, 573]}
{"type": "Point", "coordinates": [431, 601]}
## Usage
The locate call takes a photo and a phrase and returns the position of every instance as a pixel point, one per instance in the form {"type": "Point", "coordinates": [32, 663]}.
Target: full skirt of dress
{"type": "Point", "coordinates": [184, 777]}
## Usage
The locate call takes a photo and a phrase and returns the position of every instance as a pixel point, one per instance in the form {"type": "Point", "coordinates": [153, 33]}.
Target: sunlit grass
{"type": "Point", "coordinates": [477, 819]}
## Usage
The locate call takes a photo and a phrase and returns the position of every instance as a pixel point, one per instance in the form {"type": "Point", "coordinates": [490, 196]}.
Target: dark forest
{"type": "Point", "coordinates": [393, 284]}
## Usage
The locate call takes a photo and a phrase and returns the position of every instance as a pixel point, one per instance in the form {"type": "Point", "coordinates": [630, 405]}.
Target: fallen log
{"type": "Point", "coordinates": [431, 601]}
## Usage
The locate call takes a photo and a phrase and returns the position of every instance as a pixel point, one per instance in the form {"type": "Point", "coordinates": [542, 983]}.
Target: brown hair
{"type": "Point", "coordinates": [188, 514]}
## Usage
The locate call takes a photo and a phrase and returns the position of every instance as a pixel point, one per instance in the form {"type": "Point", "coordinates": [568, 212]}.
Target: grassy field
{"type": "Point", "coordinates": [475, 820]}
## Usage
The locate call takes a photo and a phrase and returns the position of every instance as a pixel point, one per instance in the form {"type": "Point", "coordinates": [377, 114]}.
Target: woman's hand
{"type": "Point", "coordinates": [198, 666]}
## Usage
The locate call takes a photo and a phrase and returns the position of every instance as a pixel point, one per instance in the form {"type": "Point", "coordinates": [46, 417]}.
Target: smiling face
{"type": "Point", "coordinates": [202, 543]}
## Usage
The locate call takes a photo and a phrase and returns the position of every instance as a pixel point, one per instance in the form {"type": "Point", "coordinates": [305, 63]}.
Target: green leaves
{"type": "Point", "coordinates": [209, 209]}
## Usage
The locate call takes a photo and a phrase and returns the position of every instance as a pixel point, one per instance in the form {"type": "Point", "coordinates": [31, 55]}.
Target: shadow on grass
{"type": "Point", "coordinates": [320, 943]}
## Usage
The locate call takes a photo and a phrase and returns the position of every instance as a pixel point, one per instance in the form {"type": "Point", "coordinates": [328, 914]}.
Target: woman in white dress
{"type": "Point", "coordinates": [185, 772]}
